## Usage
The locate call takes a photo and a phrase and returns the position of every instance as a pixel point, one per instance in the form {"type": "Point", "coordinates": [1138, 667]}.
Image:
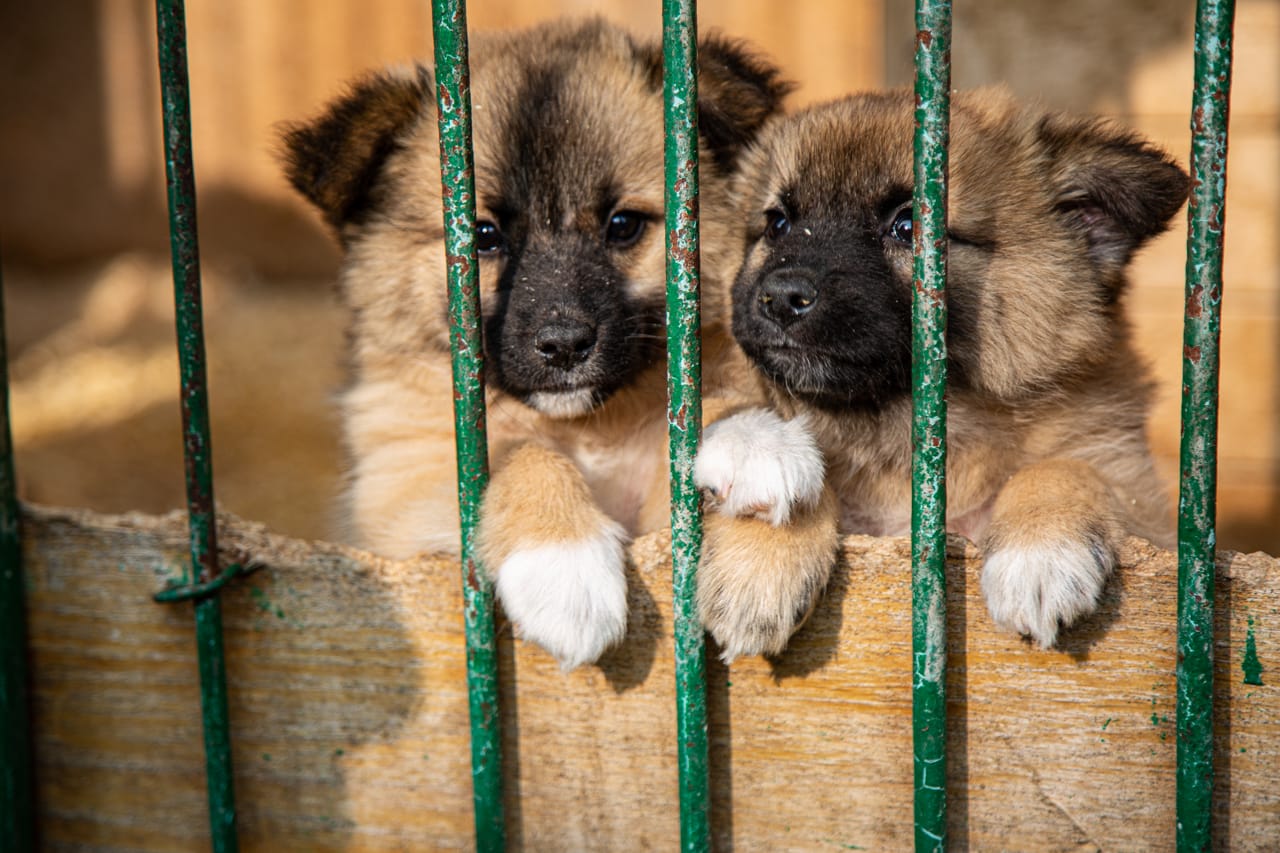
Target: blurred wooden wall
{"type": "Point", "coordinates": [80, 135]}
{"type": "Point", "coordinates": [81, 174]}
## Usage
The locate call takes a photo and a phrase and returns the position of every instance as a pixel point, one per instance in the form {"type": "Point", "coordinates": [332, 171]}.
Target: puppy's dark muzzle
{"type": "Point", "coordinates": [786, 296]}
{"type": "Point", "coordinates": [565, 344]}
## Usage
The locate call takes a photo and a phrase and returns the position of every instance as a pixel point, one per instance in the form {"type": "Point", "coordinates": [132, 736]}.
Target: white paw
{"type": "Point", "coordinates": [568, 597]}
{"type": "Point", "coordinates": [1036, 590]}
{"type": "Point", "coordinates": [756, 464]}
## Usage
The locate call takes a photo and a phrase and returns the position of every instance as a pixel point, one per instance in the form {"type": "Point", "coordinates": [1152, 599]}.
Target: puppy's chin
{"type": "Point", "coordinates": [564, 404]}
{"type": "Point", "coordinates": [828, 383]}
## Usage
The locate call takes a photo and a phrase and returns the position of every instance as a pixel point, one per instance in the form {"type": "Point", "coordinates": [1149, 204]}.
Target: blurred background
{"type": "Point", "coordinates": [83, 228]}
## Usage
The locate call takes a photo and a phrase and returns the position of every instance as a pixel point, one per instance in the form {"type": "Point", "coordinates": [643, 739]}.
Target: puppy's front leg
{"type": "Point", "coordinates": [557, 561]}
{"type": "Point", "coordinates": [1050, 548]}
{"type": "Point", "coordinates": [771, 537]}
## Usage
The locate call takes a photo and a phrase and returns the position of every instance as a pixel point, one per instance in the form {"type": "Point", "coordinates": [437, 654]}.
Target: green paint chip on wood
{"type": "Point", "coordinates": [1251, 665]}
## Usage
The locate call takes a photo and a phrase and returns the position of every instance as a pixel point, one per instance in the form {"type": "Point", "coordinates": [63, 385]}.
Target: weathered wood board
{"type": "Point", "coordinates": [350, 730]}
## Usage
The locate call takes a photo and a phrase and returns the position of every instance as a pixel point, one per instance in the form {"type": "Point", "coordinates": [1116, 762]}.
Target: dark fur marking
{"type": "Point", "coordinates": [852, 349]}
{"type": "Point", "coordinates": [738, 90]}
{"type": "Point", "coordinates": [335, 160]}
{"type": "Point", "coordinates": [554, 170]}
{"type": "Point", "coordinates": [1114, 187]}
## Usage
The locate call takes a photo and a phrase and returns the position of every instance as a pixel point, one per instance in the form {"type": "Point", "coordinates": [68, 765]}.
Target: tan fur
{"type": "Point", "coordinates": [758, 584]}
{"type": "Point", "coordinates": [1046, 436]}
{"type": "Point", "coordinates": [541, 498]}
{"type": "Point", "coordinates": [554, 479]}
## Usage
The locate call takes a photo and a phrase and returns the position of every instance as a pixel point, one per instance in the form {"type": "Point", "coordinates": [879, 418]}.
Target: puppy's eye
{"type": "Point", "coordinates": [625, 228]}
{"type": "Point", "coordinates": [777, 225]}
{"type": "Point", "coordinates": [900, 227]}
{"type": "Point", "coordinates": [488, 238]}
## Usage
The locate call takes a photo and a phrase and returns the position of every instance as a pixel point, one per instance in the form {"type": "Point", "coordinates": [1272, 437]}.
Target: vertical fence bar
{"type": "Point", "coordinates": [1197, 501]}
{"type": "Point", "coordinates": [17, 800]}
{"type": "Point", "coordinates": [453, 99]}
{"type": "Point", "coordinates": [180, 172]}
{"type": "Point", "coordinates": [684, 414]}
{"type": "Point", "coordinates": [929, 422]}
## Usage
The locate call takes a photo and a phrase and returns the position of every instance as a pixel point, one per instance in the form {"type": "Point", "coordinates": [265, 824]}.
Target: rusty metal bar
{"type": "Point", "coordinates": [1197, 501]}
{"type": "Point", "coordinates": [929, 422]}
{"type": "Point", "coordinates": [684, 414]}
{"type": "Point", "coordinates": [453, 100]}
{"type": "Point", "coordinates": [180, 173]}
{"type": "Point", "coordinates": [17, 797]}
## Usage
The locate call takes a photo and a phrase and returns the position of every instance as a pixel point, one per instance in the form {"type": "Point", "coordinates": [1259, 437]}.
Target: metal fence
{"type": "Point", "coordinates": [1196, 533]}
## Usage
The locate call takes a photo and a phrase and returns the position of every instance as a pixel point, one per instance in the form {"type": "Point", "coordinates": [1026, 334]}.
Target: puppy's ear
{"type": "Point", "coordinates": [335, 159]}
{"type": "Point", "coordinates": [1112, 185]}
{"type": "Point", "coordinates": [738, 90]}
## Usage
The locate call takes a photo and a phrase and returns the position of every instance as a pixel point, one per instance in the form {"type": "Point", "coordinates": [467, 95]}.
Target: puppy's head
{"type": "Point", "coordinates": [1045, 213]}
{"type": "Point", "coordinates": [567, 128]}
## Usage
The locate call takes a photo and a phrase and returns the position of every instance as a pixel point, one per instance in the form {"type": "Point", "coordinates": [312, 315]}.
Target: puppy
{"type": "Point", "coordinates": [568, 147]}
{"type": "Point", "coordinates": [1048, 464]}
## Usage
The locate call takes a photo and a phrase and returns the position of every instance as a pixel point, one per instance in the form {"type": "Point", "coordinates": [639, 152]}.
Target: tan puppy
{"type": "Point", "coordinates": [1048, 464]}
{"type": "Point", "coordinates": [569, 167]}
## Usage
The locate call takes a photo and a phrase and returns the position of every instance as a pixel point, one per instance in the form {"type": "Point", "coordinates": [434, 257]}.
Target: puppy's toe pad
{"type": "Point", "coordinates": [570, 598]}
{"type": "Point", "coordinates": [756, 464]}
{"type": "Point", "coordinates": [1034, 590]}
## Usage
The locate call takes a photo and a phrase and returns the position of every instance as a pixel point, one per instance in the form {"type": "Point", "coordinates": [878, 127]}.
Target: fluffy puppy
{"type": "Point", "coordinates": [568, 167]}
{"type": "Point", "coordinates": [1048, 464]}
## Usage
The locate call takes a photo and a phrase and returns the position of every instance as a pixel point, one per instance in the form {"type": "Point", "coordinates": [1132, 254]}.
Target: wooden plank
{"type": "Point", "coordinates": [349, 711]}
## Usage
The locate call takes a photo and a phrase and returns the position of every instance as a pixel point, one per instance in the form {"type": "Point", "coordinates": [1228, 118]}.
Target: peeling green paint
{"type": "Point", "coordinates": [684, 410]}
{"type": "Point", "coordinates": [171, 39]}
{"type": "Point", "coordinates": [1198, 457]}
{"type": "Point", "coordinates": [929, 421]}
{"type": "Point", "coordinates": [263, 603]}
{"type": "Point", "coordinates": [453, 105]}
{"type": "Point", "coordinates": [266, 607]}
{"type": "Point", "coordinates": [1251, 665]}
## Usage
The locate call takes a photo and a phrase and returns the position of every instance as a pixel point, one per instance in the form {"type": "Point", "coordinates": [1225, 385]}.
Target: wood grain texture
{"type": "Point", "coordinates": [350, 731]}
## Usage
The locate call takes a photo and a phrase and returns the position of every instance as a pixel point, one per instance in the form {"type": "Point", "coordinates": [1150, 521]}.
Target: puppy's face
{"type": "Point", "coordinates": [1045, 213]}
{"type": "Point", "coordinates": [567, 129]}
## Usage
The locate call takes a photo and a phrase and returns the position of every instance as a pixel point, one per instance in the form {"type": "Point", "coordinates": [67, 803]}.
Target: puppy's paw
{"type": "Point", "coordinates": [756, 464]}
{"type": "Point", "coordinates": [757, 583]}
{"type": "Point", "coordinates": [1034, 589]}
{"type": "Point", "coordinates": [569, 597]}
{"type": "Point", "coordinates": [1050, 547]}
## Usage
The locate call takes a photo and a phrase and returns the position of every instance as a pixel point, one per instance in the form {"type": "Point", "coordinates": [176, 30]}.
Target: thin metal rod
{"type": "Point", "coordinates": [17, 799]}
{"type": "Point", "coordinates": [453, 99]}
{"type": "Point", "coordinates": [1197, 502]}
{"type": "Point", "coordinates": [684, 414]}
{"type": "Point", "coordinates": [929, 422]}
{"type": "Point", "coordinates": [180, 171]}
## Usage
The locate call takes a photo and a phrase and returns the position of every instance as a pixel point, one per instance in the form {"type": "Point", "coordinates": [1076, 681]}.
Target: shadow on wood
{"type": "Point", "coordinates": [348, 707]}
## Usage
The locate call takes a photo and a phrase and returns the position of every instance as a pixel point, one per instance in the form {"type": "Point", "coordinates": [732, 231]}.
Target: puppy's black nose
{"type": "Point", "coordinates": [787, 296]}
{"type": "Point", "coordinates": [565, 343]}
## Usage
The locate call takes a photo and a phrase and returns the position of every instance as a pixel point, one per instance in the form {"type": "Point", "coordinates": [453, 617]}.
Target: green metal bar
{"type": "Point", "coordinates": [929, 422]}
{"type": "Point", "coordinates": [180, 172]}
{"type": "Point", "coordinates": [684, 413]}
{"type": "Point", "coordinates": [1197, 502]}
{"type": "Point", "coordinates": [17, 798]}
{"type": "Point", "coordinates": [453, 99]}
{"type": "Point", "coordinates": [195, 591]}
